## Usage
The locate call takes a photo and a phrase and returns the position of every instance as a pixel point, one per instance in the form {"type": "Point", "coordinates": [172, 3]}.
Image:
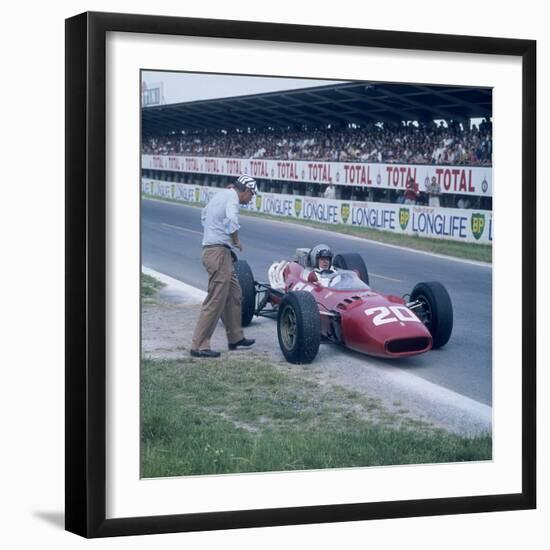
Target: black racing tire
{"type": "Point", "coordinates": [248, 290]}
{"type": "Point", "coordinates": [299, 327]}
{"type": "Point", "coordinates": [352, 261]}
{"type": "Point", "coordinates": [436, 312]}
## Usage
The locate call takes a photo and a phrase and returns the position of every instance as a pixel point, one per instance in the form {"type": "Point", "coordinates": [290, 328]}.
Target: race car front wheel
{"type": "Point", "coordinates": [246, 282]}
{"type": "Point", "coordinates": [299, 327]}
{"type": "Point", "coordinates": [435, 310]}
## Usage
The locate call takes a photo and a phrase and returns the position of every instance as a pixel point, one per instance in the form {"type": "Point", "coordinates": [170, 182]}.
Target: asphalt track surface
{"type": "Point", "coordinates": [171, 236]}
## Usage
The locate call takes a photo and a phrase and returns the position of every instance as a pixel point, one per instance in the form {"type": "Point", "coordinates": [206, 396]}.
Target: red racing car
{"type": "Point", "coordinates": [314, 301]}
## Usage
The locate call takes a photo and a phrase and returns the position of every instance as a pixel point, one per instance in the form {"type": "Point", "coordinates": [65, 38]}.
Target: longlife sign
{"type": "Point", "coordinates": [461, 180]}
{"type": "Point", "coordinates": [455, 224]}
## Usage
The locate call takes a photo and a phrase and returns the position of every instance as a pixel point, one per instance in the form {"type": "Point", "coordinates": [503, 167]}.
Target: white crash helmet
{"type": "Point", "coordinates": [320, 251]}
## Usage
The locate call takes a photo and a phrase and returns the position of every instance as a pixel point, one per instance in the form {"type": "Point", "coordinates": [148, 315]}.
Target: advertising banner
{"type": "Point", "coordinates": [440, 223]}
{"type": "Point", "coordinates": [463, 180]}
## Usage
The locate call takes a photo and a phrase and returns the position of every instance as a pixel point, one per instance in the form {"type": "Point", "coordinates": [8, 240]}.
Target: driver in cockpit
{"type": "Point", "coordinates": [323, 262]}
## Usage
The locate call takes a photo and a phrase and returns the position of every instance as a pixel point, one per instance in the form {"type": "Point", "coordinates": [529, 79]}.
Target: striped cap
{"type": "Point", "coordinates": [246, 182]}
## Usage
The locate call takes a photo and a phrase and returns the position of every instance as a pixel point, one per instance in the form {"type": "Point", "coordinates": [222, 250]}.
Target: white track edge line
{"type": "Point", "coordinates": [176, 284]}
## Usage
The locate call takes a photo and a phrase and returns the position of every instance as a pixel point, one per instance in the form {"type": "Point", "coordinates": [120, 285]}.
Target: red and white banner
{"type": "Point", "coordinates": [461, 180]}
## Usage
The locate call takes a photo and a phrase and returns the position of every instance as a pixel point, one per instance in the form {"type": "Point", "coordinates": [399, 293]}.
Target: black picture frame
{"type": "Point", "coordinates": [86, 273]}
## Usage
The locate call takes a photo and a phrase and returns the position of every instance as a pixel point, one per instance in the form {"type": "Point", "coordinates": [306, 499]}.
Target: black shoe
{"type": "Point", "coordinates": [245, 343]}
{"type": "Point", "coordinates": [204, 353]}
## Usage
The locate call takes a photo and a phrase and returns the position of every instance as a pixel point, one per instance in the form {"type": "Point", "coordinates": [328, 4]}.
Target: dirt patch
{"type": "Point", "coordinates": [167, 330]}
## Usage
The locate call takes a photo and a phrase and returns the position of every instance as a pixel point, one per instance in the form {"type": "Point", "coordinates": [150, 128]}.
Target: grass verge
{"type": "Point", "coordinates": [149, 288]}
{"type": "Point", "coordinates": [469, 251]}
{"type": "Point", "coordinates": [229, 416]}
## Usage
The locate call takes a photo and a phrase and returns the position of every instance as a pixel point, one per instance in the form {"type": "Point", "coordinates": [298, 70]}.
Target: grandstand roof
{"type": "Point", "coordinates": [348, 102]}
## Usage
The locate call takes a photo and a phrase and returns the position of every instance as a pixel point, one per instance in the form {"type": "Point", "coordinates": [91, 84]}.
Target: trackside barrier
{"type": "Point", "coordinates": [461, 180]}
{"type": "Point", "coordinates": [456, 224]}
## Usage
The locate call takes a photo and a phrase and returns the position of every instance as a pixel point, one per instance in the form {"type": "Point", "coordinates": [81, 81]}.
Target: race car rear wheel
{"type": "Point", "coordinates": [354, 262]}
{"type": "Point", "coordinates": [246, 282]}
{"type": "Point", "coordinates": [299, 327]}
{"type": "Point", "coordinates": [435, 310]}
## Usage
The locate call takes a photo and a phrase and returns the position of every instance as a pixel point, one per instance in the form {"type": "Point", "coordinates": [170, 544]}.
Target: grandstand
{"type": "Point", "coordinates": [367, 138]}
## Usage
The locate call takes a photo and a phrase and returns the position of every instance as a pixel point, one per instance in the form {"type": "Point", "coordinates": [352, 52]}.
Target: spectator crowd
{"type": "Point", "coordinates": [410, 143]}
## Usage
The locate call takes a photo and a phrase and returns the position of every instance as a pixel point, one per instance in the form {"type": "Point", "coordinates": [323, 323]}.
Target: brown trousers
{"type": "Point", "coordinates": [222, 301]}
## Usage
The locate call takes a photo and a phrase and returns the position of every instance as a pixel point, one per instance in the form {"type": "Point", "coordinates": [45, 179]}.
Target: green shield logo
{"type": "Point", "coordinates": [404, 216]}
{"type": "Point", "coordinates": [297, 207]}
{"type": "Point", "coordinates": [344, 212]}
{"type": "Point", "coordinates": [258, 202]}
{"type": "Point", "coordinates": [477, 223]}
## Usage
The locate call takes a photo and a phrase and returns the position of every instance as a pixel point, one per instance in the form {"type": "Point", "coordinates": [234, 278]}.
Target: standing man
{"type": "Point", "coordinates": [411, 192]}
{"type": "Point", "coordinates": [221, 231]}
{"type": "Point", "coordinates": [434, 192]}
{"type": "Point", "coordinates": [330, 192]}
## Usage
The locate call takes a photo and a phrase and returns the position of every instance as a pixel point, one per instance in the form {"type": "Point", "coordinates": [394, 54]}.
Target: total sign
{"type": "Point", "coordinates": [465, 180]}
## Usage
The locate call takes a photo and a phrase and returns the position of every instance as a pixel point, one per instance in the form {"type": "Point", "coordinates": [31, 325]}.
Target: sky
{"type": "Point", "coordinates": [182, 87]}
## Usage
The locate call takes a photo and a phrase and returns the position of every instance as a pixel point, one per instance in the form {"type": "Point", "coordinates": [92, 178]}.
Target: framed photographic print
{"type": "Point", "coordinates": [300, 264]}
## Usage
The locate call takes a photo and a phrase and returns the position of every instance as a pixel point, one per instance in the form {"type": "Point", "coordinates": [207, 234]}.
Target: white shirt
{"type": "Point", "coordinates": [330, 193]}
{"type": "Point", "coordinates": [220, 218]}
